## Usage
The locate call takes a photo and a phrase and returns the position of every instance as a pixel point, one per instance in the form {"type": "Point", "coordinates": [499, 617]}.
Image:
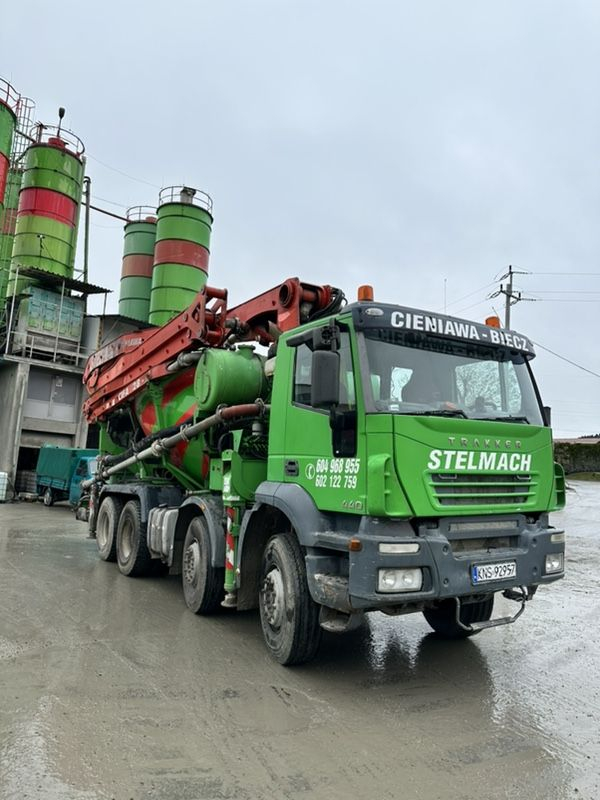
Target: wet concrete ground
{"type": "Point", "coordinates": [110, 688]}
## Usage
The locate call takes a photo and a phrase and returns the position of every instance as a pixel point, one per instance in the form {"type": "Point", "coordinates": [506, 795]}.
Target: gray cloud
{"type": "Point", "coordinates": [396, 143]}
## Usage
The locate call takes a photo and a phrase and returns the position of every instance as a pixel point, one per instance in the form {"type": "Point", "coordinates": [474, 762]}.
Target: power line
{"type": "Point", "coordinates": [557, 300]}
{"type": "Point", "coordinates": [568, 360]}
{"type": "Point", "coordinates": [473, 305]}
{"type": "Point", "coordinates": [595, 274]}
{"type": "Point", "coordinates": [464, 297]}
{"type": "Point", "coordinates": [125, 174]}
{"type": "Point", "coordinates": [564, 291]}
{"type": "Point", "coordinates": [110, 202]}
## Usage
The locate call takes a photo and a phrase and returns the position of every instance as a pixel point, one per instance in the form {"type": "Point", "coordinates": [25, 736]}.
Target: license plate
{"type": "Point", "coordinates": [481, 573]}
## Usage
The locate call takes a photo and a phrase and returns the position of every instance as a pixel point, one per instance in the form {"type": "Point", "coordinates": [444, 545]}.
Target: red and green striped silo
{"type": "Point", "coordinates": [9, 99]}
{"type": "Point", "coordinates": [138, 260]}
{"type": "Point", "coordinates": [8, 221]}
{"type": "Point", "coordinates": [181, 251]}
{"type": "Point", "coordinates": [49, 201]}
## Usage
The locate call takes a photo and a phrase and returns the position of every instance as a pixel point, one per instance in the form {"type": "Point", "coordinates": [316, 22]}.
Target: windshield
{"type": "Point", "coordinates": [412, 373]}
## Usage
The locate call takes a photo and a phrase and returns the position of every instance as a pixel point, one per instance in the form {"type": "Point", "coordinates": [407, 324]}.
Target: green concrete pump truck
{"type": "Point", "coordinates": [374, 458]}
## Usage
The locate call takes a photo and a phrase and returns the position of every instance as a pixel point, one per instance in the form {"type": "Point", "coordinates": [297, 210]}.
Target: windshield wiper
{"type": "Point", "coordinates": [507, 418]}
{"type": "Point", "coordinates": [438, 412]}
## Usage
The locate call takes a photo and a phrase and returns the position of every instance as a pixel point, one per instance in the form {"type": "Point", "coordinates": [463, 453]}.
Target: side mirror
{"type": "Point", "coordinates": [325, 387]}
{"type": "Point", "coordinates": [548, 416]}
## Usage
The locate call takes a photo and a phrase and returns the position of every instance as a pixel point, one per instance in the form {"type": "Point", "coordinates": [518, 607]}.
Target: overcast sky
{"type": "Point", "coordinates": [421, 147]}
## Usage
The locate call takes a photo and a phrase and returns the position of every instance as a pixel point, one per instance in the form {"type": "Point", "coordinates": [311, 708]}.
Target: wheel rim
{"type": "Point", "coordinates": [273, 598]}
{"type": "Point", "coordinates": [102, 533]}
{"type": "Point", "coordinates": [126, 539]}
{"type": "Point", "coordinates": [191, 563]}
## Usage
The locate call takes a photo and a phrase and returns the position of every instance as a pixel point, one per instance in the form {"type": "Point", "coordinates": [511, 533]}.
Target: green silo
{"type": "Point", "coordinates": [8, 221]}
{"type": "Point", "coordinates": [138, 259]}
{"type": "Point", "coordinates": [49, 200]}
{"type": "Point", "coordinates": [9, 100]}
{"type": "Point", "coordinates": [181, 251]}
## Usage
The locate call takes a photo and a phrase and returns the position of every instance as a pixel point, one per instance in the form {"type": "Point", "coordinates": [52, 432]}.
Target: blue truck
{"type": "Point", "coordinates": [60, 471]}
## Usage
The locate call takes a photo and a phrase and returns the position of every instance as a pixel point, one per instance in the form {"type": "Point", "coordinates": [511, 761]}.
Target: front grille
{"type": "Point", "coordinates": [484, 545]}
{"type": "Point", "coordinates": [481, 489]}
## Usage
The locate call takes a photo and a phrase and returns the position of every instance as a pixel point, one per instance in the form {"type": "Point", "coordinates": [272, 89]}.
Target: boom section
{"type": "Point", "coordinates": [116, 373]}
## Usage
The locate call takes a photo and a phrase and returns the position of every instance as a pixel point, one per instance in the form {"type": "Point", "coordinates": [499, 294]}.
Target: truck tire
{"type": "Point", "coordinates": [442, 617]}
{"type": "Point", "coordinates": [202, 583]}
{"type": "Point", "coordinates": [106, 527]}
{"type": "Point", "coordinates": [48, 497]}
{"type": "Point", "coordinates": [133, 556]}
{"type": "Point", "coordinates": [289, 616]}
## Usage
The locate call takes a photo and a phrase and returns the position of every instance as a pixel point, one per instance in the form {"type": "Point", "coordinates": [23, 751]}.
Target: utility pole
{"type": "Point", "coordinates": [511, 296]}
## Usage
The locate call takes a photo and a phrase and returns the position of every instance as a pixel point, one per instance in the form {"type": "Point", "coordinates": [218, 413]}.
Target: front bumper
{"type": "Point", "coordinates": [448, 549]}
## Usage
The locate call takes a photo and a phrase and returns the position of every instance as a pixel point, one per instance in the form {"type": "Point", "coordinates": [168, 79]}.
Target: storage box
{"type": "Point", "coordinates": [3, 486]}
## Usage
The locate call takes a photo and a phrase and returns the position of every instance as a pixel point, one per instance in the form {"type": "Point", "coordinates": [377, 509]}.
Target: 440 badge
{"type": "Point", "coordinates": [333, 473]}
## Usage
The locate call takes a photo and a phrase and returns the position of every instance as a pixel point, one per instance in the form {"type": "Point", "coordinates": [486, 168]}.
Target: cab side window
{"type": "Point", "coordinates": [303, 375]}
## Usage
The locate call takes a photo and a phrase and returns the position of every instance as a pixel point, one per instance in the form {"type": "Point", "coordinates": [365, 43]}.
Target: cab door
{"type": "Point", "coordinates": [334, 477]}
{"type": "Point", "coordinates": [81, 473]}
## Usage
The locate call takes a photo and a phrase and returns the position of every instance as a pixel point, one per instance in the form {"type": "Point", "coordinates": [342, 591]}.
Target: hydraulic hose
{"type": "Point", "coordinates": [187, 432]}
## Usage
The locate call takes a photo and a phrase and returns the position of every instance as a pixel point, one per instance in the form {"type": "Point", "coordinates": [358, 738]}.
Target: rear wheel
{"type": "Point", "coordinates": [202, 583]}
{"type": "Point", "coordinates": [288, 614]}
{"type": "Point", "coordinates": [106, 527]}
{"type": "Point", "coordinates": [48, 497]}
{"type": "Point", "coordinates": [133, 556]}
{"type": "Point", "coordinates": [442, 617]}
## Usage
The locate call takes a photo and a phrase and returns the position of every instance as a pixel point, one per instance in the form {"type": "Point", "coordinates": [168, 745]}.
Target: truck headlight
{"type": "Point", "coordinates": [554, 563]}
{"type": "Point", "coordinates": [399, 580]}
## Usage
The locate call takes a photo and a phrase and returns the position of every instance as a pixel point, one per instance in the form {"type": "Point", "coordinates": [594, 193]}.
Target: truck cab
{"type": "Point", "coordinates": [410, 454]}
{"type": "Point", "coordinates": [85, 469]}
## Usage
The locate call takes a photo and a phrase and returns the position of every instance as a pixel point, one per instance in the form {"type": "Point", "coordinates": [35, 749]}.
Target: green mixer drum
{"type": "Point", "coordinates": [221, 376]}
{"type": "Point", "coordinates": [180, 259]}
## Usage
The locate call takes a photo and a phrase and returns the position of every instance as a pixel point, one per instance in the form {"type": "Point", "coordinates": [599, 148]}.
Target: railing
{"type": "Point", "coordinates": [53, 134]}
{"type": "Point", "coordinates": [25, 112]}
{"type": "Point", "coordinates": [141, 214]}
{"type": "Point", "coordinates": [185, 194]}
{"type": "Point", "coordinates": [48, 348]}
{"type": "Point", "coordinates": [9, 95]}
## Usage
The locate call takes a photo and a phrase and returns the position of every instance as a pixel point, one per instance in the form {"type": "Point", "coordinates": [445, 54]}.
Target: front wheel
{"type": "Point", "coordinates": [442, 617]}
{"type": "Point", "coordinates": [48, 498]}
{"type": "Point", "coordinates": [288, 614]}
{"type": "Point", "coordinates": [202, 583]}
